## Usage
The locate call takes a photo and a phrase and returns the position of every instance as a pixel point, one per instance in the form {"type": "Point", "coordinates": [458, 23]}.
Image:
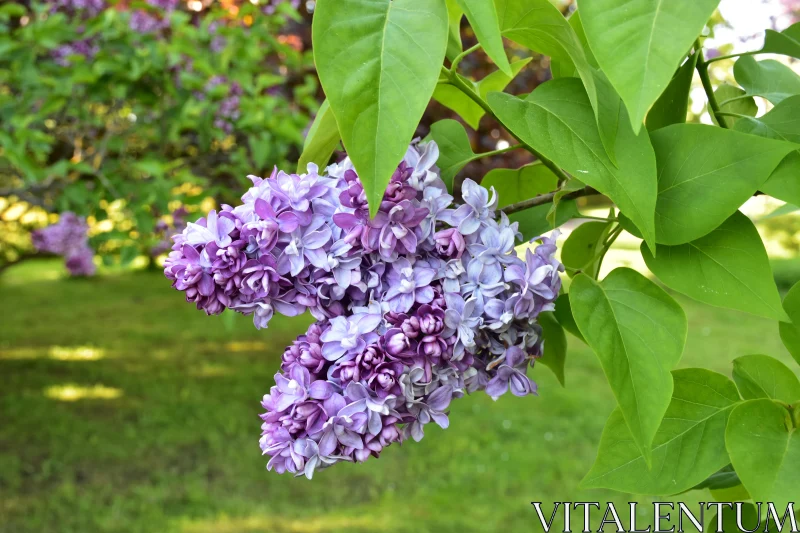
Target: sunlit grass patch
{"type": "Point", "coordinates": [71, 392]}
{"type": "Point", "coordinates": [278, 524]}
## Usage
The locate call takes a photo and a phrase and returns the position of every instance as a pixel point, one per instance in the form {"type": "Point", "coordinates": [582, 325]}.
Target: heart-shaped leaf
{"type": "Point", "coordinates": [563, 314]}
{"type": "Point", "coordinates": [378, 62]}
{"type": "Point", "coordinates": [637, 331]}
{"type": "Point", "coordinates": [640, 43]}
{"type": "Point", "coordinates": [728, 267]}
{"type": "Point", "coordinates": [455, 150]}
{"type": "Point", "coordinates": [769, 78]}
{"type": "Point", "coordinates": [761, 376]}
{"type": "Point", "coordinates": [704, 174]}
{"type": "Point", "coordinates": [764, 453]}
{"type": "Point", "coordinates": [581, 249]}
{"type": "Point", "coordinates": [556, 119]}
{"type": "Point", "coordinates": [732, 99]}
{"type": "Point", "coordinates": [786, 42]}
{"type": "Point", "coordinates": [689, 445]}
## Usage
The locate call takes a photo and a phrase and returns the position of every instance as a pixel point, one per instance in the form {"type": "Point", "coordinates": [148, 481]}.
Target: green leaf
{"type": "Point", "coordinates": [515, 185]}
{"type": "Point", "coordinates": [564, 68]}
{"type": "Point", "coordinates": [761, 376]}
{"type": "Point", "coordinates": [728, 267]}
{"type": "Point", "coordinates": [689, 445]}
{"type": "Point", "coordinates": [557, 210]}
{"type": "Point", "coordinates": [724, 478]}
{"type": "Point", "coordinates": [637, 331]}
{"type": "Point", "coordinates": [482, 17]}
{"type": "Point", "coordinates": [455, 150]}
{"type": "Point", "coordinates": [539, 26]}
{"type": "Point", "coordinates": [555, 345]}
{"type": "Point", "coordinates": [673, 104]}
{"type": "Point", "coordinates": [783, 210]}
{"type": "Point", "coordinates": [763, 452]}
{"type": "Point", "coordinates": [581, 249]}
{"type": "Point", "coordinates": [783, 183]}
{"type": "Point", "coordinates": [563, 314]}
{"type": "Point", "coordinates": [378, 62]}
{"type": "Point", "coordinates": [704, 174]}
{"type": "Point", "coordinates": [730, 99]}
{"type": "Point", "coordinates": [790, 332]}
{"type": "Point", "coordinates": [454, 15]}
{"type": "Point", "coordinates": [640, 43]}
{"type": "Point", "coordinates": [556, 119]}
{"type": "Point", "coordinates": [452, 97]}
{"type": "Point", "coordinates": [783, 123]}
{"type": "Point", "coordinates": [769, 78]}
{"type": "Point", "coordinates": [321, 141]}
{"type": "Point", "coordinates": [786, 42]}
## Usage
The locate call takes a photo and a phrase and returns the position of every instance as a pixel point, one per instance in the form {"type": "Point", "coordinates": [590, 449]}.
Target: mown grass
{"type": "Point", "coordinates": [123, 409]}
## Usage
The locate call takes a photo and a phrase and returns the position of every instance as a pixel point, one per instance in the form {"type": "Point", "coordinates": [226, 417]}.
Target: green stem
{"type": "Point", "coordinates": [497, 152]}
{"type": "Point", "coordinates": [702, 70]}
{"type": "Point", "coordinates": [731, 56]}
{"type": "Point", "coordinates": [462, 55]}
{"type": "Point", "coordinates": [457, 82]}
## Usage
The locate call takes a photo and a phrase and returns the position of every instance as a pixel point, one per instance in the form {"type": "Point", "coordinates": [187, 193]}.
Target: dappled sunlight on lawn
{"type": "Point", "coordinates": [71, 392]}
{"type": "Point", "coordinates": [59, 353]}
{"type": "Point", "coordinates": [277, 524]}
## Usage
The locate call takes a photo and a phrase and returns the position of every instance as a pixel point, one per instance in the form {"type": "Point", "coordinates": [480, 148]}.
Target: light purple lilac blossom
{"type": "Point", "coordinates": [419, 305]}
{"type": "Point", "coordinates": [68, 238]}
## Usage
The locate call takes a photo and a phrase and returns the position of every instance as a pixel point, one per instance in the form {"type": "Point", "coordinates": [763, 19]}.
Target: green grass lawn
{"type": "Point", "coordinates": [124, 409]}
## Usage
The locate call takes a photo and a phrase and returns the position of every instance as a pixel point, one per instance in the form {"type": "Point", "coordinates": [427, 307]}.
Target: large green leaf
{"type": "Point", "coordinates": [732, 99]}
{"type": "Point", "coordinates": [637, 331]}
{"type": "Point", "coordinates": [704, 174]}
{"type": "Point", "coordinates": [784, 182]}
{"type": "Point", "coordinates": [764, 453]}
{"type": "Point", "coordinates": [672, 105]}
{"type": "Point", "coordinates": [482, 17]}
{"type": "Point", "coordinates": [539, 26]}
{"type": "Point", "coordinates": [556, 119]}
{"type": "Point", "coordinates": [782, 122]}
{"type": "Point", "coordinates": [378, 62]}
{"type": "Point", "coordinates": [786, 42]}
{"type": "Point", "coordinates": [581, 249]}
{"type": "Point", "coordinates": [769, 78]}
{"type": "Point", "coordinates": [689, 445]}
{"type": "Point", "coordinates": [790, 332]}
{"type": "Point", "coordinates": [762, 376]}
{"type": "Point", "coordinates": [555, 345]}
{"type": "Point", "coordinates": [452, 97]}
{"type": "Point", "coordinates": [455, 150]}
{"type": "Point", "coordinates": [640, 43]}
{"type": "Point", "coordinates": [322, 139]}
{"type": "Point", "coordinates": [728, 267]}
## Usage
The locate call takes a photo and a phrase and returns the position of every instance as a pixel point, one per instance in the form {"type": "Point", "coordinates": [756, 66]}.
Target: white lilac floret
{"type": "Point", "coordinates": [419, 305]}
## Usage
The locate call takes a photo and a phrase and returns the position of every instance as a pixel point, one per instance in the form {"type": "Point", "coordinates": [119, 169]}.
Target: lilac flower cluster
{"type": "Point", "coordinates": [68, 238]}
{"type": "Point", "coordinates": [227, 112]}
{"type": "Point", "coordinates": [144, 22]}
{"type": "Point", "coordinates": [417, 306]}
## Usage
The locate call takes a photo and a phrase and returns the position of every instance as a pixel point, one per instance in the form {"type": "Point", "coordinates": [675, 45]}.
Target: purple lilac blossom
{"type": "Point", "coordinates": [424, 303]}
{"type": "Point", "coordinates": [67, 237]}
